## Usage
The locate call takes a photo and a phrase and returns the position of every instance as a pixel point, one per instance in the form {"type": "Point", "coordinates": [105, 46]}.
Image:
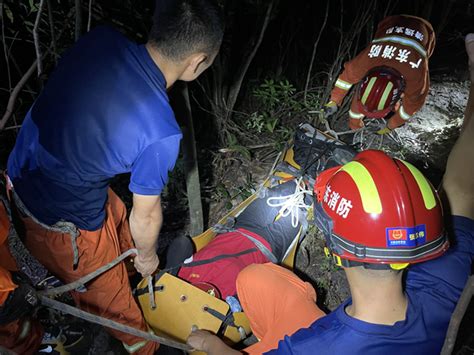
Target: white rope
{"type": "Point", "coordinates": [291, 204]}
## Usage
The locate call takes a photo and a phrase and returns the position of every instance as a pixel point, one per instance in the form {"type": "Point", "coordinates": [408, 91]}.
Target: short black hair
{"type": "Point", "coordinates": [183, 27]}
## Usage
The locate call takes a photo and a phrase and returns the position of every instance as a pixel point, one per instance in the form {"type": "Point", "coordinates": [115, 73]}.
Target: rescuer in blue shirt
{"type": "Point", "coordinates": [103, 112]}
{"type": "Point", "coordinates": [380, 216]}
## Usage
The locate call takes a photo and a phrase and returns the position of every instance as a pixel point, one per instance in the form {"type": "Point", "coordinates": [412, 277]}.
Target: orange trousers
{"type": "Point", "coordinates": [276, 302]}
{"type": "Point", "coordinates": [23, 336]}
{"type": "Point", "coordinates": [109, 295]}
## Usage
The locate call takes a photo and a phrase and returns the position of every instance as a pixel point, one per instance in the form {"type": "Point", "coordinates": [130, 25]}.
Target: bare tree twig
{"type": "Point", "coordinates": [78, 28]}
{"type": "Point", "coordinates": [15, 92]}
{"type": "Point", "coordinates": [51, 30]}
{"type": "Point", "coordinates": [12, 127]}
{"type": "Point", "coordinates": [89, 19]}
{"type": "Point", "coordinates": [235, 88]}
{"type": "Point", "coordinates": [36, 38]}
{"type": "Point", "coordinates": [5, 51]}
{"type": "Point", "coordinates": [315, 46]}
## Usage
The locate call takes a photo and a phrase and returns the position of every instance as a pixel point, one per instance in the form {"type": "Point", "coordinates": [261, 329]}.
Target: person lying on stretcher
{"type": "Point", "coordinates": [268, 228]}
{"type": "Point", "coordinates": [264, 232]}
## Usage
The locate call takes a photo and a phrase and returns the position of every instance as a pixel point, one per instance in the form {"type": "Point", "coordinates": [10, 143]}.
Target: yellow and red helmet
{"type": "Point", "coordinates": [379, 212]}
{"type": "Point", "coordinates": [379, 92]}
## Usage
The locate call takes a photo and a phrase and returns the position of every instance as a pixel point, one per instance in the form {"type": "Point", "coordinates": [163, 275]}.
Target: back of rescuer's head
{"type": "Point", "coordinates": [183, 27]}
{"type": "Point", "coordinates": [380, 213]}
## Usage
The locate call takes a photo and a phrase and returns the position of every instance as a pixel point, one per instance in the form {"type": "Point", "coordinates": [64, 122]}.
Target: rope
{"type": "Point", "coordinates": [111, 324]}
{"type": "Point", "coordinates": [85, 279]}
{"type": "Point", "coordinates": [290, 204]}
{"type": "Point", "coordinates": [46, 301]}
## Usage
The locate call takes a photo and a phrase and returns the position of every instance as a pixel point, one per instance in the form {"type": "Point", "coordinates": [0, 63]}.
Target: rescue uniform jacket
{"type": "Point", "coordinates": [6, 261]}
{"type": "Point", "coordinates": [404, 43]}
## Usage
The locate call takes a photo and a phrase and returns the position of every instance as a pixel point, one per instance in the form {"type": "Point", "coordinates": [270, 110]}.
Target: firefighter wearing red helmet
{"type": "Point", "coordinates": [398, 214]}
{"type": "Point", "coordinates": [391, 73]}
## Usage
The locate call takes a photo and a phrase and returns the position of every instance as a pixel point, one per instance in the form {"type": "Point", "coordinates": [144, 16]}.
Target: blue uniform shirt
{"type": "Point", "coordinates": [103, 112]}
{"type": "Point", "coordinates": [433, 289]}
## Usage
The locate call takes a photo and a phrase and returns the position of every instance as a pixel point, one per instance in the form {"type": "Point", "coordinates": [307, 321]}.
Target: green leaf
{"type": "Point", "coordinates": [8, 12]}
{"type": "Point", "coordinates": [242, 150]}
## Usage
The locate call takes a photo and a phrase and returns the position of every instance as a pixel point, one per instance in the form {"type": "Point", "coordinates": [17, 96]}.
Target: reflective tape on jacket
{"type": "Point", "coordinates": [404, 41]}
{"type": "Point", "coordinates": [403, 113]}
{"type": "Point", "coordinates": [355, 115]}
{"type": "Point", "coordinates": [344, 85]}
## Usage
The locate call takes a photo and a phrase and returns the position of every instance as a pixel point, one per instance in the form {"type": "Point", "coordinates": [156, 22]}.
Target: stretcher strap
{"type": "Point", "coordinates": [142, 291]}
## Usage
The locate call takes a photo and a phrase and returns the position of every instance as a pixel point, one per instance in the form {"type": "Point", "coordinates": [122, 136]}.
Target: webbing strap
{"type": "Point", "coordinates": [265, 251]}
{"type": "Point", "coordinates": [142, 291]}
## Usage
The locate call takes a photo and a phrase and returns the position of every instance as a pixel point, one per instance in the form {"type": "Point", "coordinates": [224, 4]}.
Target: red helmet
{"type": "Point", "coordinates": [379, 212]}
{"type": "Point", "coordinates": [378, 93]}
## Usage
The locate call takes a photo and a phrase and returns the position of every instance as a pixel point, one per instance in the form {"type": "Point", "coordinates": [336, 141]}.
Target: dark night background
{"type": "Point", "coordinates": [247, 105]}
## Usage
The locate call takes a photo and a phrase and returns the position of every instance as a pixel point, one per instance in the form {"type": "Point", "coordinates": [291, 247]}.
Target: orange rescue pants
{"type": "Point", "coordinates": [109, 295]}
{"type": "Point", "coordinates": [276, 302]}
{"type": "Point", "coordinates": [23, 336]}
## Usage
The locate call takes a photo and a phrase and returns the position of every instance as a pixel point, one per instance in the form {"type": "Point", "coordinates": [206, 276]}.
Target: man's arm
{"type": "Point", "coordinates": [146, 219]}
{"type": "Point", "coordinates": [458, 181]}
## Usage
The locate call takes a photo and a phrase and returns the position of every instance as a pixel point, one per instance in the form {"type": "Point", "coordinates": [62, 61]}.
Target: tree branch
{"type": "Point", "coordinates": [15, 92]}
{"type": "Point", "coordinates": [78, 28]}
{"type": "Point", "coordinates": [36, 38]}
{"type": "Point", "coordinates": [235, 88]}
{"type": "Point", "coordinates": [457, 316]}
{"type": "Point", "coordinates": [315, 46]}
{"type": "Point", "coordinates": [89, 19]}
{"type": "Point", "coordinates": [51, 30]}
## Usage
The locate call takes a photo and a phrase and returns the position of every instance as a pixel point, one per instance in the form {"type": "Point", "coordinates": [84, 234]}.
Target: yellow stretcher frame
{"type": "Point", "coordinates": [180, 305]}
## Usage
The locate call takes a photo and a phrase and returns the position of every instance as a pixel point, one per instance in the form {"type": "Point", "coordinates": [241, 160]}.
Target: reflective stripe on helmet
{"type": "Point", "coordinates": [365, 183]}
{"type": "Point", "coordinates": [384, 97]}
{"type": "Point", "coordinates": [425, 188]}
{"type": "Point", "coordinates": [404, 41]}
{"type": "Point", "coordinates": [390, 254]}
{"type": "Point", "coordinates": [367, 91]}
{"type": "Point", "coordinates": [403, 114]}
{"type": "Point", "coordinates": [344, 85]}
{"type": "Point", "coordinates": [355, 115]}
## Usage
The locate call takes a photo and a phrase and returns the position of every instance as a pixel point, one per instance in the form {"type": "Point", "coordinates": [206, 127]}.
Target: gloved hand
{"type": "Point", "coordinates": [384, 130]}
{"type": "Point", "coordinates": [20, 301]}
{"type": "Point", "coordinates": [330, 109]}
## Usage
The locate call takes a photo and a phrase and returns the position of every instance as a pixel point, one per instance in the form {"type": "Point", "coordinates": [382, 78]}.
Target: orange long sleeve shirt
{"type": "Point", "coordinates": [404, 43]}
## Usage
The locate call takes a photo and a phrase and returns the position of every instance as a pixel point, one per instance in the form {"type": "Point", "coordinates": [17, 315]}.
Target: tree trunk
{"type": "Point", "coordinates": [191, 168]}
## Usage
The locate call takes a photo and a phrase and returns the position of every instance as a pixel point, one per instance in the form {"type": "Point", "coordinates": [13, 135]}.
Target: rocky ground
{"type": "Point", "coordinates": [425, 141]}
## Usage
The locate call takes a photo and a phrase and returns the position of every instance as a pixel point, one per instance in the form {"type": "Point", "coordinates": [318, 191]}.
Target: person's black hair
{"type": "Point", "coordinates": [183, 27]}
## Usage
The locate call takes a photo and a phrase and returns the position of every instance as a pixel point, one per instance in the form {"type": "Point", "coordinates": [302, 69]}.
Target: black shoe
{"type": "Point", "coordinates": [65, 340]}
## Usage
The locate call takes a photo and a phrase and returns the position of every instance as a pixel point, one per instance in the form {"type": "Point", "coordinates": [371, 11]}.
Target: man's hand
{"type": "Point", "coordinates": [330, 109]}
{"type": "Point", "coordinates": [203, 340]}
{"type": "Point", "coordinates": [384, 130]}
{"type": "Point", "coordinates": [145, 223]}
{"type": "Point", "coordinates": [146, 265]}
